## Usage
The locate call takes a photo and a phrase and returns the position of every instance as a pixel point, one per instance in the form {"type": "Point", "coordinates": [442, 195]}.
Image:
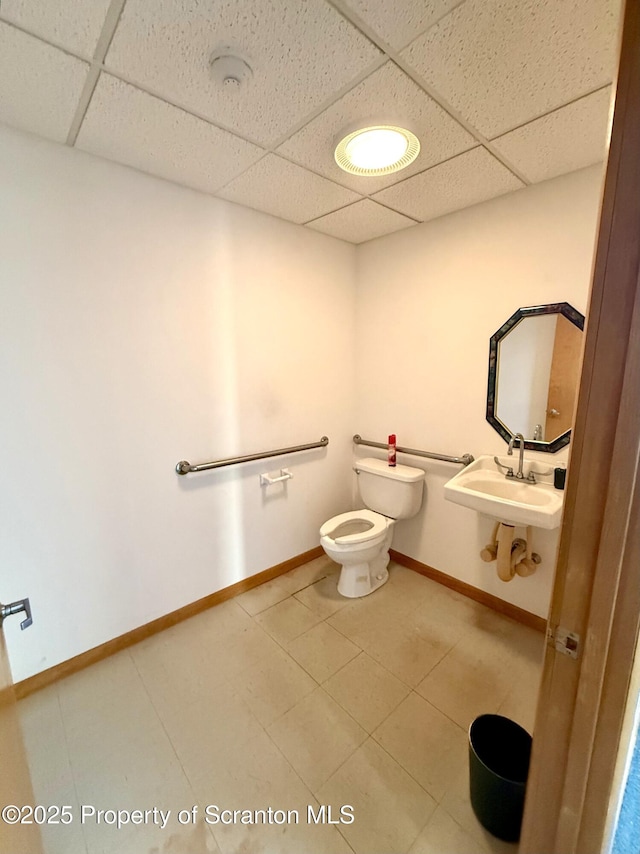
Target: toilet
{"type": "Point", "coordinates": [360, 539]}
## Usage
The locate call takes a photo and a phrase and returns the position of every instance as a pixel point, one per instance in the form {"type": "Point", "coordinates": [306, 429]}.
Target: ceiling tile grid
{"type": "Point", "coordinates": [361, 221]}
{"type": "Point", "coordinates": [281, 188]}
{"type": "Point", "coordinates": [466, 180]}
{"type": "Point", "coordinates": [491, 87]}
{"type": "Point", "coordinates": [386, 96]}
{"type": "Point", "coordinates": [71, 24]}
{"type": "Point", "coordinates": [563, 141]}
{"type": "Point", "coordinates": [501, 63]}
{"type": "Point", "coordinates": [131, 127]}
{"type": "Point", "coordinates": [399, 23]}
{"type": "Point", "coordinates": [301, 54]}
{"type": "Point", "coordinates": [39, 84]}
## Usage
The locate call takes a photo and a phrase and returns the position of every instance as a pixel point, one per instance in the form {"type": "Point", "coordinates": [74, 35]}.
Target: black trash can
{"type": "Point", "coordinates": [499, 753]}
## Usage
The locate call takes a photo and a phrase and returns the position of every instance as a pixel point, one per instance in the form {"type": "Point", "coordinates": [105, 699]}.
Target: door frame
{"type": "Point", "coordinates": [596, 590]}
{"type": "Point", "coordinates": [15, 780]}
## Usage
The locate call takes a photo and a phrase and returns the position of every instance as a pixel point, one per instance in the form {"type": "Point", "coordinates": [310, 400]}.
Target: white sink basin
{"type": "Point", "coordinates": [483, 487]}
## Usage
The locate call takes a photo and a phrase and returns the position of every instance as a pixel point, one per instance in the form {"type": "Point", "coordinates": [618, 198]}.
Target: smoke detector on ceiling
{"type": "Point", "coordinates": [229, 70]}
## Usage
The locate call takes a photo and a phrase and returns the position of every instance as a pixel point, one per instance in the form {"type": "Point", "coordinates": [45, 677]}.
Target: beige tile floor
{"type": "Point", "coordinates": [286, 697]}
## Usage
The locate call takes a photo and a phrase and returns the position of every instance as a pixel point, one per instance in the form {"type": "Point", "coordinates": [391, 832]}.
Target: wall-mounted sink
{"type": "Point", "coordinates": [483, 488]}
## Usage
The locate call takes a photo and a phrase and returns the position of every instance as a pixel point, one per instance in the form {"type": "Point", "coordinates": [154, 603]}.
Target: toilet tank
{"type": "Point", "coordinates": [394, 491]}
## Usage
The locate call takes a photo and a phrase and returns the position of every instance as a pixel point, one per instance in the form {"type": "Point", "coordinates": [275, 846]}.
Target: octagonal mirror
{"type": "Point", "coordinates": [534, 370]}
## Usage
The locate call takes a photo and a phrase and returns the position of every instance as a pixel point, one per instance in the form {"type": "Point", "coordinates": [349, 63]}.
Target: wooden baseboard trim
{"type": "Point", "coordinates": [91, 656]}
{"type": "Point", "coordinates": [506, 608]}
{"type": "Point", "coordinates": [98, 653]}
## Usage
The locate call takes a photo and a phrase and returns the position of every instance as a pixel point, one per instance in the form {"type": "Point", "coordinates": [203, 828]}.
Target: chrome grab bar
{"type": "Point", "coordinates": [184, 467]}
{"type": "Point", "coordinates": [464, 460]}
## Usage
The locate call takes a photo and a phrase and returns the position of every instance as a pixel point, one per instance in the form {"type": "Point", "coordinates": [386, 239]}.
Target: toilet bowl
{"type": "Point", "coordinates": [359, 540]}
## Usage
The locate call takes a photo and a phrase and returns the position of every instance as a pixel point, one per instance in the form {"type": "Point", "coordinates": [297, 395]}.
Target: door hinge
{"type": "Point", "coordinates": [564, 641]}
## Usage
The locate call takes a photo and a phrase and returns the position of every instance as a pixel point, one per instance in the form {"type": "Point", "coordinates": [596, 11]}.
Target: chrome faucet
{"type": "Point", "coordinates": [519, 474]}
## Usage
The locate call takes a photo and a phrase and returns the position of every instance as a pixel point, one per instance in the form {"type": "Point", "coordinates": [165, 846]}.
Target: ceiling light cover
{"type": "Point", "coordinates": [377, 150]}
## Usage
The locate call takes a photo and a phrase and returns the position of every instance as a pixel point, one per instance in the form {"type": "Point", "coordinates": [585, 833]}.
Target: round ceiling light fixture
{"type": "Point", "coordinates": [377, 150]}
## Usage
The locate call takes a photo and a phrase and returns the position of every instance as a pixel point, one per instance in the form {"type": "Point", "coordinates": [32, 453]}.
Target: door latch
{"type": "Point", "coordinates": [564, 641]}
{"type": "Point", "coordinates": [17, 608]}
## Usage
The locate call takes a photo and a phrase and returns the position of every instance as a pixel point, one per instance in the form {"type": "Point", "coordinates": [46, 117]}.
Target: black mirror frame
{"type": "Point", "coordinates": [567, 311]}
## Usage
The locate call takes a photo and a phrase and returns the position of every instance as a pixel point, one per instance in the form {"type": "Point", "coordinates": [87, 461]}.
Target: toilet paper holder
{"type": "Point", "coordinates": [267, 480]}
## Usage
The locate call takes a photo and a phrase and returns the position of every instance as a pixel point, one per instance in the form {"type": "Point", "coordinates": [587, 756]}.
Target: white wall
{"type": "Point", "coordinates": [142, 323]}
{"type": "Point", "coordinates": [429, 298]}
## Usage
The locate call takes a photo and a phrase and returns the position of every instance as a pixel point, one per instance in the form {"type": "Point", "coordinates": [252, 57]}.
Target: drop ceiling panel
{"type": "Point", "coordinates": [459, 183]}
{"type": "Point", "coordinates": [39, 84]}
{"type": "Point", "coordinates": [275, 186]}
{"type": "Point", "coordinates": [301, 54]}
{"type": "Point", "coordinates": [568, 139]}
{"type": "Point", "coordinates": [72, 24]}
{"type": "Point", "coordinates": [132, 127]}
{"type": "Point", "coordinates": [502, 63]}
{"type": "Point", "coordinates": [530, 75]}
{"type": "Point", "coordinates": [398, 24]}
{"type": "Point", "coordinates": [361, 221]}
{"type": "Point", "coordinates": [386, 96]}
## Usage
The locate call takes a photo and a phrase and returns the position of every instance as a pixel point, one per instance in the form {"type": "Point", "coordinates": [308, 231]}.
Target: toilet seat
{"type": "Point", "coordinates": [377, 524]}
